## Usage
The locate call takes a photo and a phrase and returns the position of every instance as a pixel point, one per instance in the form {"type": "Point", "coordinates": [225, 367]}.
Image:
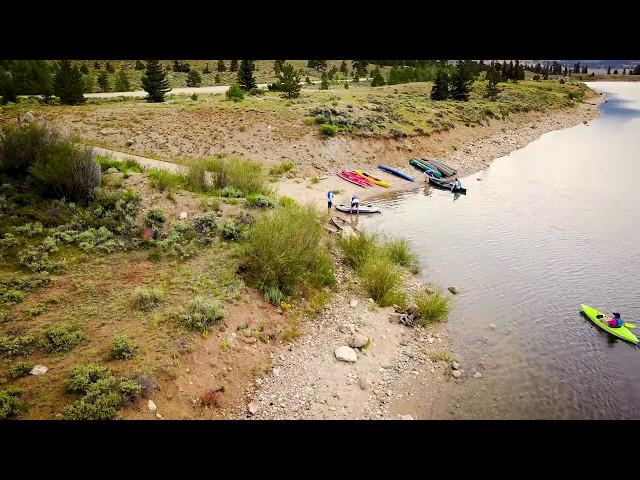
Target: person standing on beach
{"type": "Point", "coordinates": [355, 203]}
{"type": "Point", "coordinates": [329, 200]}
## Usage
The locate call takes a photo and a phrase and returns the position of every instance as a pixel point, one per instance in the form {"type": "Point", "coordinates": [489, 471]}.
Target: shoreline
{"type": "Point", "coordinates": [399, 376]}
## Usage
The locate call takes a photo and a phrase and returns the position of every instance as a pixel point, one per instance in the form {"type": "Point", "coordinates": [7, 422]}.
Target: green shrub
{"type": "Point", "coordinates": [231, 192]}
{"type": "Point", "coordinates": [234, 93]}
{"type": "Point", "coordinates": [155, 220]}
{"type": "Point", "coordinates": [328, 130]}
{"type": "Point", "coordinates": [146, 299]}
{"type": "Point", "coordinates": [15, 296]}
{"type": "Point", "coordinates": [260, 201]}
{"type": "Point", "coordinates": [274, 296]}
{"type": "Point", "coordinates": [382, 280]}
{"type": "Point", "coordinates": [83, 377]}
{"type": "Point", "coordinates": [130, 389]}
{"type": "Point", "coordinates": [242, 176]}
{"type": "Point", "coordinates": [12, 345]}
{"type": "Point", "coordinates": [201, 315]}
{"type": "Point", "coordinates": [11, 405]}
{"type": "Point", "coordinates": [21, 147]}
{"type": "Point", "coordinates": [359, 248]}
{"type": "Point", "coordinates": [233, 231]}
{"type": "Point", "coordinates": [68, 170]}
{"type": "Point", "coordinates": [122, 348]}
{"type": "Point", "coordinates": [287, 201]}
{"type": "Point", "coordinates": [286, 249]}
{"type": "Point", "coordinates": [21, 369]}
{"type": "Point", "coordinates": [205, 226]}
{"type": "Point", "coordinates": [36, 310]}
{"type": "Point", "coordinates": [122, 166]}
{"type": "Point", "coordinates": [433, 306]}
{"type": "Point", "coordinates": [92, 407]}
{"type": "Point", "coordinates": [399, 252]}
{"type": "Point", "coordinates": [194, 97]}
{"type": "Point", "coordinates": [283, 167]}
{"type": "Point", "coordinates": [60, 337]}
{"type": "Point", "coordinates": [165, 180]}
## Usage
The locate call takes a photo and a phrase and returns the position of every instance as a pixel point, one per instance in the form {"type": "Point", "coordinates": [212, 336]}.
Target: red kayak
{"type": "Point", "coordinates": [355, 179]}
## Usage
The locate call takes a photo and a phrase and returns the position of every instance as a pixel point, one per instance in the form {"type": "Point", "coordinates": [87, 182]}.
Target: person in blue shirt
{"type": "Point", "coordinates": [616, 321]}
{"type": "Point", "coordinates": [355, 203]}
{"type": "Point", "coordinates": [330, 200]}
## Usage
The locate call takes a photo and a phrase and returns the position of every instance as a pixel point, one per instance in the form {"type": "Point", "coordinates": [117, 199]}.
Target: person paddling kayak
{"type": "Point", "coordinates": [355, 203]}
{"type": "Point", "coordinates": [330, 200]}
{"type": "Point", "coordinates": [456, 184]}
{"type": "Point", "coordinates": [616, 321]}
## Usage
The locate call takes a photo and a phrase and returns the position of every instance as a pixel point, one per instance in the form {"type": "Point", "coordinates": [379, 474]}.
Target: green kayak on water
{"type": "Point", "coordinates": [600, 319]}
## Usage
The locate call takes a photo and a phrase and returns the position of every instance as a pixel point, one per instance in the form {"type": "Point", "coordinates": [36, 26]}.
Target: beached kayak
{"type": "Point", "coordinates": [363, 209]}
{"type": "Point", "coordinates": [355, 179]}
{"type": "Point", "coordinates": [395, 171]}
{"type": "Point", "coordinates": [445, 184]}
{"type": "Point", "coordinates": [423, 167]}
{"type": "Point", "coordinates": [372, 179]}
{"type": "Point", "coordinates": [600, 319]}
{"type": "Point", "coordinates": [445, 169]}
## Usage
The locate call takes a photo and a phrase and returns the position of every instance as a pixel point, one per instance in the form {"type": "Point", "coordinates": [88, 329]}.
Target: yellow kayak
{"type": "Point", "coordinates": [375, 180]}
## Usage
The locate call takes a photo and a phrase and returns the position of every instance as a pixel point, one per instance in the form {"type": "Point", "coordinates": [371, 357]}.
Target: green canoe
{"type": "Point", "coordinates": [597, 317]}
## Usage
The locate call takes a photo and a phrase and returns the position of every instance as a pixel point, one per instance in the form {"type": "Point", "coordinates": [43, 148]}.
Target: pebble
{"type": "Point", "coordinates": [363, 383]}
{"type": "Point", "coordinates": [477, 375]}
{"type": "Point", "coordinates": [405, 417]}
{"type": "Point", "coordinates": [453, 289]}
{"type": "Point", "coordinates": [456, 374]}
{"type": "Point", "coordinates": [276, 372]}
{"type": "Point", "coordinates": [252, 408]}
{"type": "Point", "coordinates": [493, 325]}
{"type": "Point", "coordinates": [346, 354]}
{"type": "Point", "coordinates": [358, 341]}
{"type": "Point", "coordinates": [455, 365]}
{"type": "Point", "coordinates": [353, 303]}
{"type": "Point", "coordinates": [152, 406]}
{"type": "Point", "coordinates": [158, 416]}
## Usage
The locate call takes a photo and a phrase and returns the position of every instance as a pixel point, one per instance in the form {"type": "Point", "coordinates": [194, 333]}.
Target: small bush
{"type": "Point", "coordinates": [165, 180]}
{"type": "Point", "coordinates": [287, 201]}
{"type": "Point", "coordinates": [399, 252]}
{"type": "Point", "coordinates": [146, 299]}
{"type": "Point", "coordinates": [155, 220]}
{"type": "Point", "coordinates": [122, 348]}
{"type": "Point", "coordinates": [432, 306]}
{"type": "Point", "coordinates": [21, 147]}
{"type": "Point", "coordinates": [123, 166]}
{"type": "Point", "coordinates": [381, 279]}
{"type": "Point", "coordinates": [130, 389]}
{"type": "Point", "coordinates": [241, 175]}
{"type": "Point", "coordinates": [12, 345]}
{"type": "Point", "coordinates": [328, 130]}
{"type": "Point", "coordinates": [85, 376]}
{"type": "Point", "coordinates": [260, 201]}
{"type": "Point", "coordinates": [205, 226]}
{"type": "Point", "coordinates": [359, 248]}
{"type": "Point", "coordinates": [21, 369]}
{"type": "Point", "coordinates": [60, 337]}
{"type": "Point", "coordinates": [68, 171]}
{"type": "Point", "coordinates": [231, 192]}
{"type": "Point", "coordinates": [286, 249]}
{"type": "Point", "coordinates": [11, 405]}
{"type": "Point", "coordinates": [274, 296]}
{"type": "Point", "coordinates": [92, 407]}
{"type": "Point", "coordinates": [283, 167]}
{"type": "Point", "coordinates": [314, 180]}
{"type": "Point", "coordinates": [234, 93]}
{"type": "Point", "coordinates": [194, 97]}
{"type": "Point", "coordinates": [212, 398]}
{"type": "Point", "coordinates": [233, 231]}
{"type": "Point", "coordinates": [439, 357]}
{"type": "Point", "coordinates": [201, 315]}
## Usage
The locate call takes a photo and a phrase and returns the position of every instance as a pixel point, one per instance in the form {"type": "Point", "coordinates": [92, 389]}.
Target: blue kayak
{"type": "Point", "coordinates": [399, 173]}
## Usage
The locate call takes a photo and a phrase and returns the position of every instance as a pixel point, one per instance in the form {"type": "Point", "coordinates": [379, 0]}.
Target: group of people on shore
{"type": "Point", "coordinates": [355, 202]}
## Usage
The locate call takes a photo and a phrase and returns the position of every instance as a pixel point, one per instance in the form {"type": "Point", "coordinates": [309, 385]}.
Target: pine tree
{"type": "Point", "coordinates": [609, 70]}
{"type": "Point", "coordinates": [245, 75]}
{"type": "Point", "coordinates": [139, 65]}
{"type": "Point", "coordinates": [103, 81]}
{"type": "Point", "coordinates": [122, 82]}
{"type": "Point", "coordinates": [493, 77]}
{"type": "Point", "coordinates": [277, 66]}
{"type": "Point", "coordinates": [206, 70]}
{"type": "Point", "coordinates": [615, 72]}
{"type": "Point", "coordinates": [68, 84]}
{"type": "Point", "coordinates": [96, 65]}
{"type": "Point", "coordinates": [636, 70]}
{"type": "Point", "coordinates": [289, 81]}
{"type": "Point", "coordinates": [89, 83]}
{"type": "Point", "coordinates": [461, 81]}
{"type": "Point", "coordinates": [360, 67]}
{"type": "Point", "coordinates": [155, 82]}
{"type": "Point", "coordinates": [234, 66]}
{"type": "Point", "coordinates": [221, 66]}
{"type": "Point", "coordinates": [378, 79]}
{"type": "Point", "coordinates": [324, 84]}
{"type": "Point", "coordinates": [576, 67]}
{"type": "Point", "coordinates": [193, 78]}
{"type": "Point", "coordinates": [109, 67]}
{"type": "Point", "coordinates": [320, 65]}
{"type": "Point", "coordinates": [440, 90]}
{"type": "Point", "coordinates": [177, 66]}
{"type": "Point", "coordinates": [7, 87]}
{"type": "Point", "coordinates": [84, 69]}
{"type": "Point", "coordinates": [343, 68]}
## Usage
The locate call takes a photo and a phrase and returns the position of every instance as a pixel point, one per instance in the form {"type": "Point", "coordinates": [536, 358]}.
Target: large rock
{"type": "Point", "coordinates": [358, 341]}
{"type": "Point", "coordinates": [456, 374]}
{"type": "Point", "coordinates": [39, 370]}
{"type": "Point", "coordinates": [152, 406]}
{"type": "Point", "coordinates": [346, 354]}
{"type": "Point", "coordinates": [252, 408]}
{"type": "Point", "coordinates": [455, 365]}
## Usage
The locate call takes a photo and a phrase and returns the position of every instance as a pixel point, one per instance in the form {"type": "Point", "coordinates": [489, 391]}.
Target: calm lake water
{"type": "Point", "coordinates": [548, 227]}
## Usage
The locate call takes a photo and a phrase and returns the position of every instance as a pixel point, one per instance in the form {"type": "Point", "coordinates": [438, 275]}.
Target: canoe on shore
{"type": "Point", "coordinates": [355, 179]}
{"type": "Point", "coordinates": [445, 184]}
{"type": "Point", "coordinates": [424, 166]}
{"type": "Point", "coordinates": [363, 209]}
{"type": "Point", "coordinates": [395, 171]}
{"type": "Point", "coordinates": [445, 169]}
{"type": "Point", "coordinates": [372, 179]}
